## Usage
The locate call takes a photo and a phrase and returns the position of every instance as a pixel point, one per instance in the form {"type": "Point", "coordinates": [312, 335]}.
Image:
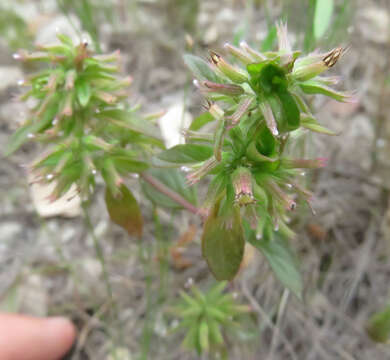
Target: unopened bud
{"type": "Point", "coordinates": [233, 73]}
{"type": "Point", "coordinates": [239, 54]}
{"type": "Point", "coordinates": [242, 109]}
{"type": "Point", "coordinates": [242, 183]}
{"type": "Point", "coordinates": [282, 197]}
{"type": "Point", "coordinates": [198, 174]}
{"type": "Point", "coordinates": [331, 58]}
{"type": "Point", "coordinates": [225, 89]}
{"type": "Point", "coordinates": [266, 109]}
{"type": "Point", "coordinates": [216, 112]}
{"type": "Point", "coordinates": [309, 71]}
{"type": "Point", "coordinates": [255, 54]}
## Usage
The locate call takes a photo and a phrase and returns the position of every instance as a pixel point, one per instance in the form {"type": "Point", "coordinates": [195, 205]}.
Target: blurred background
{"type": "Point", "coordinates": [48, 263]}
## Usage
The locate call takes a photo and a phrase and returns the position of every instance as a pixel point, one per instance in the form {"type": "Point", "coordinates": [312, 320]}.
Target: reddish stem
{"type": "Point", "coordinates": [170, 193]}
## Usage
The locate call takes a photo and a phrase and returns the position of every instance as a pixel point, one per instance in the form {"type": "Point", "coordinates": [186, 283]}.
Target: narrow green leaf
{"type": "Point", "coordinates": [322, 17]}
{"type": "Point", "coordinates": [190, 342]}
{"type": "Point", "coordinates": [204, 336]}
{"type": "Point", "coordinates": [186, 153]}
{"type": "Point", "coordinates": [83, 92]}
{"type": "Point", "coordinates": [65, 39]}
{"type": "Point", "coordinates": [127, 165]}
{"type": "Point", "coordinates": [309, 122]}
{"type": "Point", "coordinates": [215, 332]}
{"type": "Point", "coordinates": [200, 121]}
{"type": "Point", "coordinates": [313, 87]}
{"type": "Point", "coordinates": [200, 68]}
{"type": "Point", "coordinates": [124, 211]}
{"type": "Point", "coordinates": [282, 261]}
{"type": "Point", "coordinates": [223, 247]}
{"type": "Point", "coordinates": [269, 41]}
{"type": "Point", "coordinates": [20, 136]}
{"type": "Point", "coordinates": [378, 326]}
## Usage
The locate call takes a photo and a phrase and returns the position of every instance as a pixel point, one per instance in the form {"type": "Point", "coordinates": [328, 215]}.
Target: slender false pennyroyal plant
{"type": "Point", "coordinates": [258, 111]}
{"type": "Point", "coordinates": [81, 115]}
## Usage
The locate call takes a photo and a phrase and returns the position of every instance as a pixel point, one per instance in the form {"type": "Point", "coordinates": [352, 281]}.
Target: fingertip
{"type": "Point", "coordinates": [61, 327]}
{"type": "Point", "coordinates": [62, 332]}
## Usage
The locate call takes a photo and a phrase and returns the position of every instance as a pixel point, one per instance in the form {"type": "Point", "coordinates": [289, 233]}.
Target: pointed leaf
{"type": "Point", "coordinates": [314, 87]}
{"type": "Point", "coordinates": [20, 136]}
{"type": "Point", "coordinates": [200, 121]}
{"type": "Point", "coordinates": [186, 153]}
{"type": "Point", "coordinates": [200, 68]}
{"type": "Point", "coordinates": [124, 211]}
{"type": "Point", "coordinates": [222, 247]}
{"type": "Point", "coordinates": [282, 261]}
{"type": "Point", "coordinates": [268, 43]}
{"type": "Point", "coordinates": [204, 336]}
{"type": "Point", "coordinates": [83, 92]}
{"type": "Point", "coordinates": [309, 122]}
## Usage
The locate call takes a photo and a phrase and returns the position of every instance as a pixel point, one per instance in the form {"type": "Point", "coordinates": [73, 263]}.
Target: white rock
{"type": "Point", "coordinates": [173, 122]}
{"type": "Point", "coordinates": [69, 205]}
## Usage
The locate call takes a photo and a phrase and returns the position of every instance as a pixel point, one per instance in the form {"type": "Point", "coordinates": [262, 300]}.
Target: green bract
{"type": "Point", "coordinates": [258, 111]}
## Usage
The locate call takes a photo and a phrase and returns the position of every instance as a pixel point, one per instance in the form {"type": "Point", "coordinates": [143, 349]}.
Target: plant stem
{"type": "Point", "coordinates": [170, 193]}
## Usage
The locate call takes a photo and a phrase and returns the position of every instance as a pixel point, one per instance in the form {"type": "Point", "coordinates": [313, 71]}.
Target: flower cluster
{"type": "Point", "coordinates": [79, 111]}
{"type": "Point", "coordinates": [257, 110]}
